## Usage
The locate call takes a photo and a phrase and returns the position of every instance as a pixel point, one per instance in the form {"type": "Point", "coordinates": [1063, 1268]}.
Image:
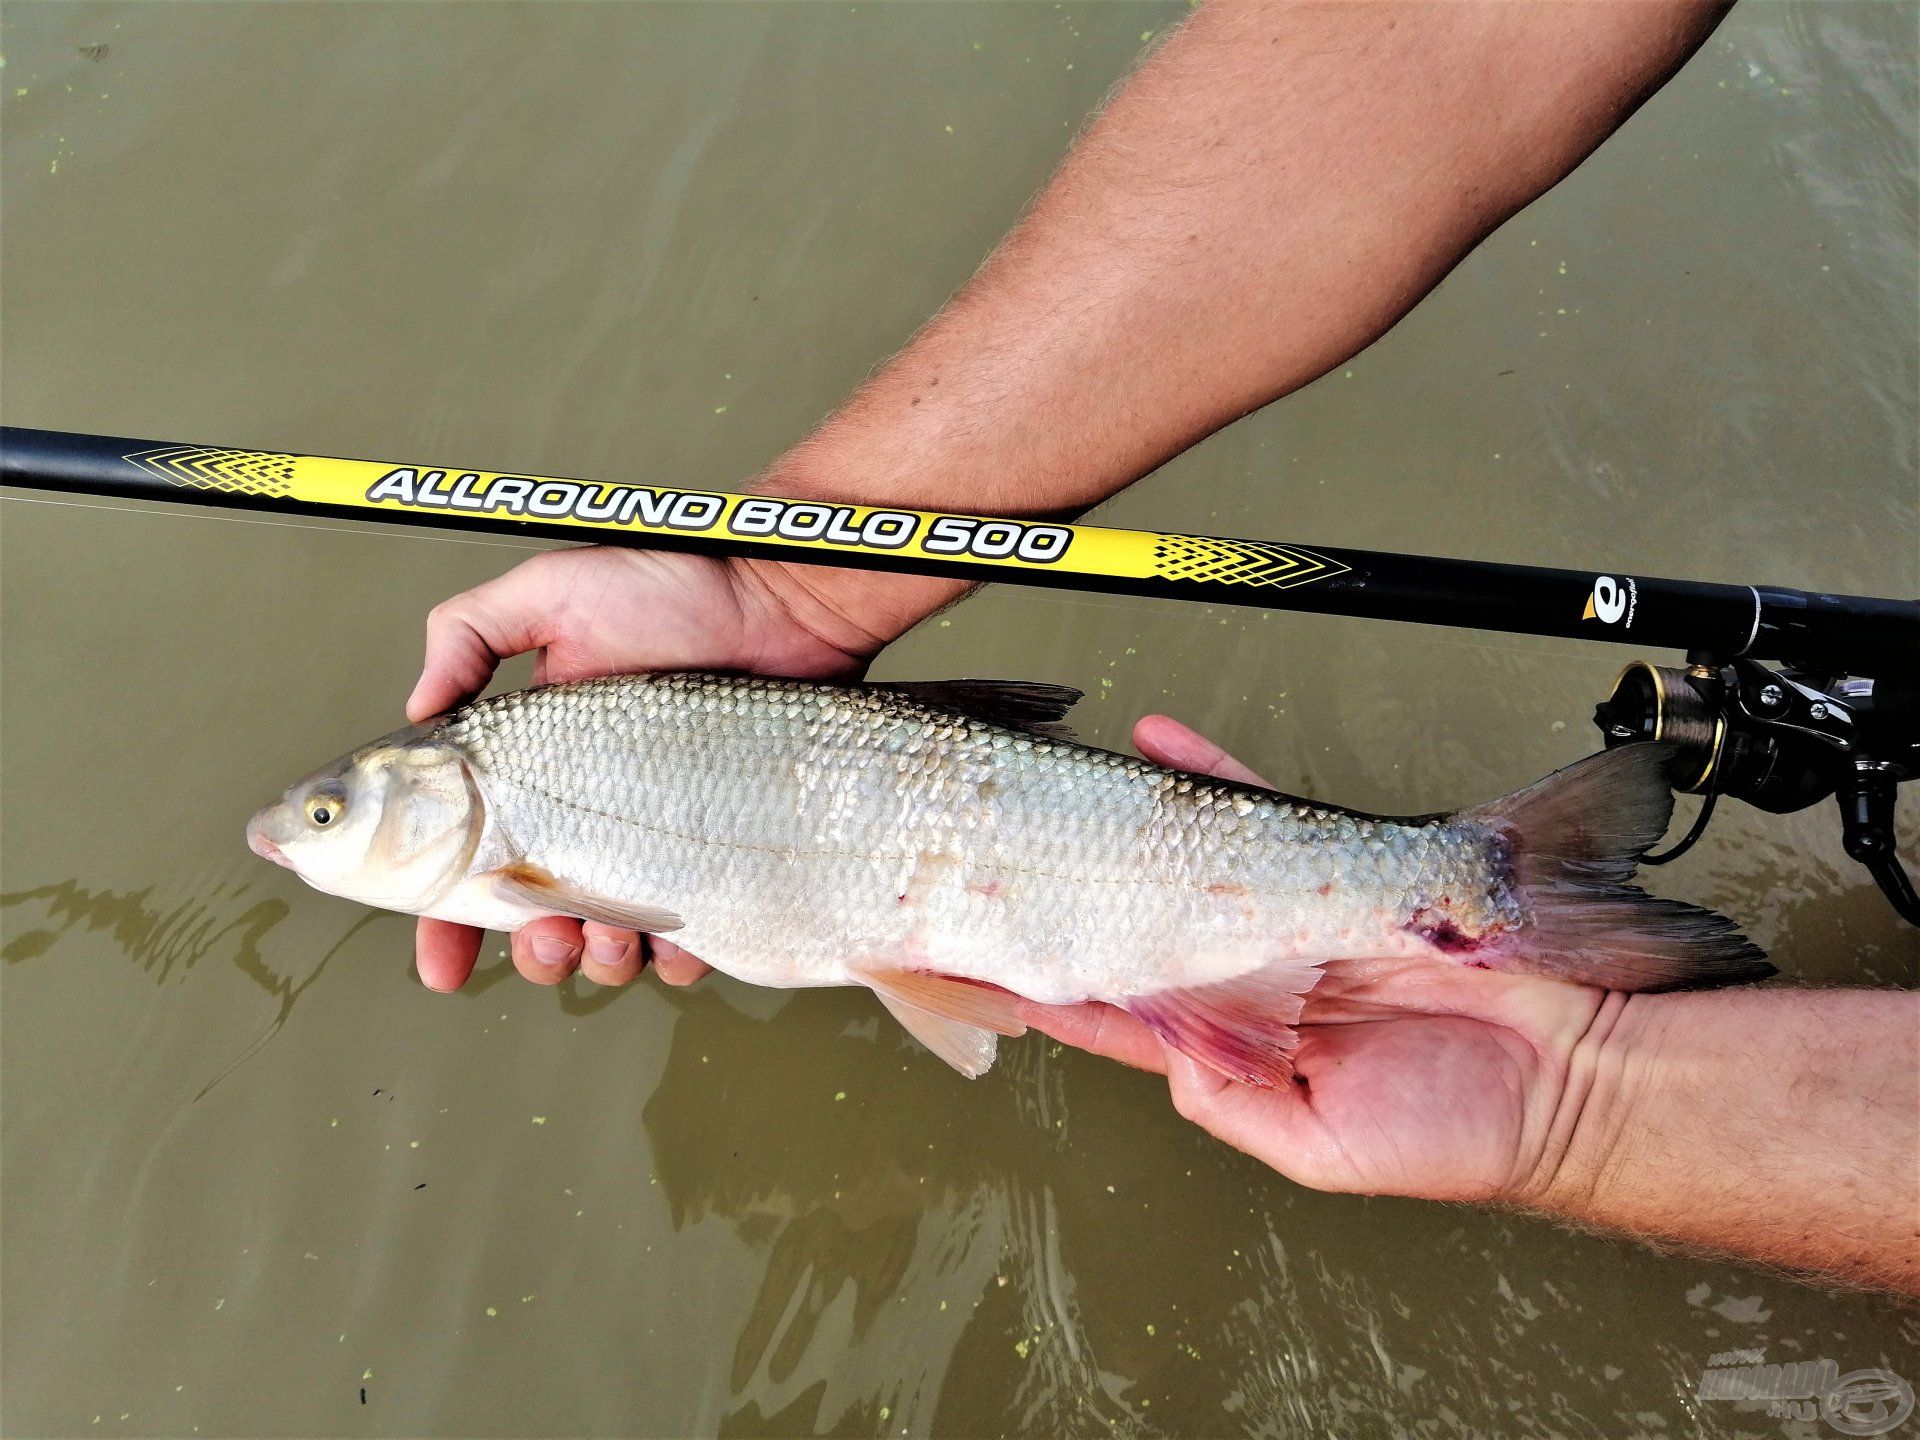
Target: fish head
{"type": "Point", "coordinates": [392, 824]}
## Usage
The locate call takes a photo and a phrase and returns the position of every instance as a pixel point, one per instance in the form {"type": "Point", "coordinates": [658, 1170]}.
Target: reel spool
{"type": "Point", "coordinates": [1661, 704]}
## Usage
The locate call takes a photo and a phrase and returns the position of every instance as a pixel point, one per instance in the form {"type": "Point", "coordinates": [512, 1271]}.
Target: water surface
{"type": "Point", "coordinates": [253, 1172]}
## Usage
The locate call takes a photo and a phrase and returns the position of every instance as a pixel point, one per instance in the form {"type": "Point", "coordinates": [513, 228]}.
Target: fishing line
{"type": "Point", "coordinates": [1694, 832]}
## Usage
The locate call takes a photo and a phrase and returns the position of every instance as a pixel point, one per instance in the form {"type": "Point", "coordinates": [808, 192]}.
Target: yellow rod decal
{"type": "Point", "coordinates": [604, 511]}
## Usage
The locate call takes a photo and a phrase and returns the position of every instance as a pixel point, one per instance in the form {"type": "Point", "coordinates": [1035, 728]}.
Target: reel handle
{"type": "Point", "coordinates": [1867, 801]}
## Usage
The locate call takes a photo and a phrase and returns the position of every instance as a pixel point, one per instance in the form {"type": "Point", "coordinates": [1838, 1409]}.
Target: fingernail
{"type": "Point", "coordinates": [605, 950]}
{"type": "Point", "coordinates": [552, 950]}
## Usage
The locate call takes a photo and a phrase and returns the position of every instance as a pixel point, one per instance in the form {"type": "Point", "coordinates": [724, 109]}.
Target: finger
{"type": "Point", "coordinates": [444, 953]}
{"type": "Point", "coordinates": [1260, 1121]}
{"type": "Point", "coordinates": [674, 965]}
{"type": "Point", "coordinates": [1196, 1089]}
{"type": "Point", "coordinates": [546, 951]}
{"type": "Point", "coordinates": [1100, 1029]}
{"type": "Point", "coordinates": [473, 632]}
{"type": "Point", "coordinates": [612, 957]}
{"type": "Point", "coordinates": [1165, 741]}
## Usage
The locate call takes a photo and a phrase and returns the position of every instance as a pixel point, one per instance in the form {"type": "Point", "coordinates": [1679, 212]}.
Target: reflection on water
{"type": "Point", "coordinates": [162, 939]}
{"type": "Point", "coordinates": [886, 1242]}
{"type": "Point", "coordinates": [157, 938]}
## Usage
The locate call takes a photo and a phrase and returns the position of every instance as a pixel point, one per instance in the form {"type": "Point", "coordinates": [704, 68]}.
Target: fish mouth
{"type": "Point", "coordinates": [258, 842]}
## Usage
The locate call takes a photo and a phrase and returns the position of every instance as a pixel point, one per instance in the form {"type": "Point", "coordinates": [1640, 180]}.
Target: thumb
{"type": "Point", "coordinates": [1196, 1089]}
{"type": "Point", "coordinates": [1165, 741]}
{"type": "Point", "coordinates": [473, 632]}
{"type": "Point", "coordinates": [1248, 1117]}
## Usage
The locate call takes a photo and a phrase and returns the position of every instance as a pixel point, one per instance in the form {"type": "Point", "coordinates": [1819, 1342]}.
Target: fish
{"type": "Point", "coordinates": [950, 846]}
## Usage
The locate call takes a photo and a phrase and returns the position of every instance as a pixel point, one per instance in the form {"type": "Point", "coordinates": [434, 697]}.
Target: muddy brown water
{"type": "Point", "coordinates": [258, 1183]}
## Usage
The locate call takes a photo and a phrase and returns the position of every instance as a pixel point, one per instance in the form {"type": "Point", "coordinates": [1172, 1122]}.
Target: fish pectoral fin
{"type": "Point", "coordinates": [1242, 1028]}
{"type": "Point", "coordinates": [967, 1048]}
{"type": "Point", "coordinates": [985, 1006]}
{"type": "Point", "coordinates": [529, 885]}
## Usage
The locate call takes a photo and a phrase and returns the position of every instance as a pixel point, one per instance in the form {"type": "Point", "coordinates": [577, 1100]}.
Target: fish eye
{"type": "Point", "coordinates": [324, 809]}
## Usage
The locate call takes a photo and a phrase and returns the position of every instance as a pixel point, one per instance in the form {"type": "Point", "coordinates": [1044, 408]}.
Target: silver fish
{"type": "Point", "coordinates": [946, 845]}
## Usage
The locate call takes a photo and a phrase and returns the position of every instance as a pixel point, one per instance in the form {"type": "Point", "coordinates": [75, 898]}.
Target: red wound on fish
{"type": "Point", "coordinates": [1243, 1028]}
{"type": "Point", "coordinates": [1443, 932]}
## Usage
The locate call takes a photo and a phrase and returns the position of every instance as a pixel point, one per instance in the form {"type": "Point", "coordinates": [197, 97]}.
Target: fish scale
{"type": "Point", "coordinates": [802, 831]}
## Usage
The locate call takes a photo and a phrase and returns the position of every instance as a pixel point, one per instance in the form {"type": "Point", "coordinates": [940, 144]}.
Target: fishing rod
{"type": "Point", "coordinates": [1836, 714]}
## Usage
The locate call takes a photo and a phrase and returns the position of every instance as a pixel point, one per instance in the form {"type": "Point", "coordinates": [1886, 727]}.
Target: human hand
{"type": "Point", "coordinates": [1413, 1077]}
{"type": "Point", "coordinates": [601, 611]}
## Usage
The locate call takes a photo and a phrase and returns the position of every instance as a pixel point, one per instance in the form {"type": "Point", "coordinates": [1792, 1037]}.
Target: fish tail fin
{"type": "Point", "coordinates": [1575, 839]}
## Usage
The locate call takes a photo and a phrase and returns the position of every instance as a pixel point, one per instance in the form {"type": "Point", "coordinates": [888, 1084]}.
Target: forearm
{"type": "Point", "coordinates": [1781, 1126]}
{"type": "Point", "coordinates": [1270, 192]}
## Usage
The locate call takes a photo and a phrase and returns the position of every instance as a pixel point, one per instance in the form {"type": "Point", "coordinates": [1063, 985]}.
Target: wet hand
{"type": "Point", "coordinates": [601, 611]}
{"type": "Point", "coordinates": [1413, 1077]}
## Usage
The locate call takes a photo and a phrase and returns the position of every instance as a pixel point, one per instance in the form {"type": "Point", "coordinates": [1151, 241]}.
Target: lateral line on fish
{"type": "Point", "coordinates": [1078, 878]}
{"type": "Point", "coordinates": [1287, 806]}
{"type": "Point", "coordinates": [876, 856]}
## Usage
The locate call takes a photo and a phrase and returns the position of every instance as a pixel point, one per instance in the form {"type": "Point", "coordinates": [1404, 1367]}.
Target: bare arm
{"type": "Point", "coordinates": [1778, 1125]}
{"type": "Point", "coordinates": [1270, 192]}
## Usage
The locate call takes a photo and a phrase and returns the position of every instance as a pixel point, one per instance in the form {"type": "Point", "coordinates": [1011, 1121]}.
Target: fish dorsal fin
{"type": "Point", "coordinates": [1243, 1028]}
{"type": "Point", "coordinates": [986, 1006]}
{"type": "Point", "coordinates": [967, 1048]}
{"type": "Point", "coordinates": [1017, 704]}
{"type": "Point", "coordinates": [529, 885]}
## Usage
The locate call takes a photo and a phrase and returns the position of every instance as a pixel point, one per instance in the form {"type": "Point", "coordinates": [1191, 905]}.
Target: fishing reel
{"type": "Point", "coordinates": [1781, 740]}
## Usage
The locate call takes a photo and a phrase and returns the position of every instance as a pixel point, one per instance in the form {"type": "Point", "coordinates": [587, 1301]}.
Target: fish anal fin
{"type": "Point", "coordinates": [1243, 1028]}
{"type": "Point", "coordinates": [967, 1048]}
{"type": "Point", "coordinates": [1017, 704]}
{"type": "Point", "coordinates": [985, 1006]}
{"type": "Point", "coordinates": [527, 884]}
